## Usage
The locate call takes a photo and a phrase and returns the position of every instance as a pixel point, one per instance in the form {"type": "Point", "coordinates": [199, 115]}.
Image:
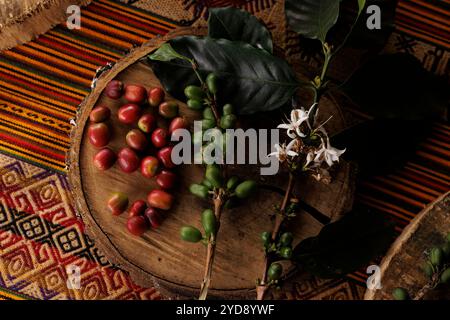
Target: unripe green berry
{"type": "Point", "coordinates": [214, 175]}
{"type": "Point", "coordinates": [208, 124]}
{"type": "Point", "coordinates": [274, 272]}
{"type": "Point", "coordinates": [245, 189]}
{"type": "Point", "coordinates": [194, 92]}
{"type": "Point", "coordinates": [208, 114]}
{"type": "Point", "coordinates": [400, 294]}
{"type": "Point", "coordinates": [436, 256]}
{"type": "Point", "coordinates": [209, 222]}
{"type": "Point", "coordinates": [227, 109]}
{"type": "Point", "coordinates": [190, 234]}
{"type": "Point", "coordinates": [286, 239]}
{"type": "Point", "coordinates": [194, 104]}
{"type": "Point", "coordinates": [445, 276]}
{"type": "Point", "coordinates": [428, 269]}
{"type": "Point", "coordinates": [228, 121]}
{"type": "Point", "coordinates": [266, 237]}
{"type": "Point", "coordinates": [211, 83]}
{"type": "Point", "coordinates": [199, 190]}
{"type": "Point", "coordinates": [232, 183]}
{"type": "Point", "coordinates": [286, 252]}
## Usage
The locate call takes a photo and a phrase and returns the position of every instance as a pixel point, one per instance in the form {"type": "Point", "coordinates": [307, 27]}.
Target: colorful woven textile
{"type": "Point", "coordinates": [43, 82]}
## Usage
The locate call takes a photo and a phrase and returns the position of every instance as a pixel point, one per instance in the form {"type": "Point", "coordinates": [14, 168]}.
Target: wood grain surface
{"type": "Point", "coordinates": [160, 257]}
{"type": "Point", "coordinates": [401, 266]}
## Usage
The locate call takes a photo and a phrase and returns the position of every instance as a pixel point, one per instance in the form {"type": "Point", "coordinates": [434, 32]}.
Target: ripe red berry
{"type": "Point", "coordinates": [154, 218]}
{"type": "Point", "coordinates": [160, 199]}
{"type": "Point", "coordinates": [166, 179]}
{"type": "Point", "coordinates": [135, 93]}
{"type": "Point", "coordinates": [100, 114]}
{"type": "Point", "coordinates": [99, 134]}
{"type": "Point", "coordinates": [137, 208]}
{"type": "Point", "coordinates": [165, 157]}
{"type": "Point", "coordinates": [128, 160]}
{"type": "Point", "coordinates": [104, 159]}
{"type": "Point", "coordinates": [137, 225]}
{"type": "Point", "coordinates": [136, 140]}
{"type": "Point", "coordinates": [155, 96]}
{"type": "Point", "coordinates": [160, 137]}
{"type": "Point", "coordinates": [114, 89]}
{"type": "Point", "coordinates": [149, 166]}
{"type": "Point", "coordinates": [129, 113]}
{"type": "Point", "coordinates": [147, 122]}
{"type": "Point", "coordinates": [118, 203]}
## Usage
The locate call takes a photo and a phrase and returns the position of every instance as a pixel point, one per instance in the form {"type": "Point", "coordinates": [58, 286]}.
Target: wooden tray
{"type": "Point", "coordinates": [160, 258]}
{"type": "Point", "coordinates": [401, 267]}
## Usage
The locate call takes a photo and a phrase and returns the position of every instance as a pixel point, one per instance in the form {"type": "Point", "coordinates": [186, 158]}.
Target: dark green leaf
{"type": "Point", "coordinates": [166, 53]}
{"type": "Point", "coordinates": [380, 146]}
{"type": "Point", "coordinates": [346, 245]}
{"type": "Point", "coordinates": [398, 87]}
{"type": "Point", "coordinates": [238, 25]}
{"type": "Point", "coordinates": [249, 78]}
{"type": "Point", "coordinates": [361, 37]}
{"type": "Point", "coordinates": [312, 18]}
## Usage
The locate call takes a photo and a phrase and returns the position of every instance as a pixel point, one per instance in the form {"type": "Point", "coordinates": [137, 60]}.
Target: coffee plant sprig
{"type": "Point", "coordinates": [309, 150]}
{"type": "Point", "coordinates": [216, 187]}
{"type": "Point", "coordinates": [436, 268]}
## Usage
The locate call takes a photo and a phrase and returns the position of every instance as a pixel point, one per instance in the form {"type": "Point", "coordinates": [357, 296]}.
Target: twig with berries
{"type": "Point", "coordinates": [437, 270]}
{"type": "Point", "coordinates": [308, 152]}
{"type": "Point", "coordinates": [217, 188]}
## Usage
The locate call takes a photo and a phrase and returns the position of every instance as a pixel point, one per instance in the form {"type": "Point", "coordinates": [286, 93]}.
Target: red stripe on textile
{"type": "Point", "coordinates": [88, 56]}
{"type": "Point", "coordinates": [23, 144]}
{"type": "Point", "coordinates": [111, 14]}
{"type": "Point", "coordinates": [39, 89]}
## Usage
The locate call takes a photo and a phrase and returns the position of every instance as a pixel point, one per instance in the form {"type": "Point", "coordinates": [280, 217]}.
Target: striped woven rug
{"type": "Point", "coordinates": [43, 82]}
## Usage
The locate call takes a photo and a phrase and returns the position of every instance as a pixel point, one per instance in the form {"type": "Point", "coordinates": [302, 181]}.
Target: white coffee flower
{"type": "Point", "coordinates": [282, 152]}
{"type": "Point", "coordinates": [328, 154]}
{"type": "Point", "coordinates": [298, 117]}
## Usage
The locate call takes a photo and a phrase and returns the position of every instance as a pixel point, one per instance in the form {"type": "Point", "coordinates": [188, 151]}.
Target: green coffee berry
{"type": "Point", "coordinates": [436, 256]}
{"type": "Point", "coordinates": [195, 104]}
{"type": "Point", "coordinates": [208, 114]}
{"type": "Point", "coordinates": [400, 294]}
{"type": "Point", "coordinates": [286, 252]}
{"type": "Point", "coordinates": [207, 184]}
{"type": "Point", "coordinates": [227, 109]}
{"type": "Point", "coordinates": [448, 237]}
{"type": "Point", "coordinates": [194, 92]}
{"type": "Point", "coordinates": [190, 234]}
{"type": "Point", "coordinates": [232, 183]}
{"type": "Point", "coordinates": [208, 124]}
{"type": "Point", "coordinates": [274, 272]}
{"type": "Point", "coordinates": [446, 249]}
{"type": "Point", "coordinates": [199, 190]}
{"type": "Point", "coordinates": [445, 276]}
{"type": "Point", "coordinates": [211, 83]}
{"type": "Point", "coordinates": [428, 269]}
{"type": "Point", "coordinates": [266, 236]}
{"type": "Point", "coordinates": [209, 222]}
{"type": "Point", "coordinates": [245, 189]}
{"type": "Point", "coordinates": [214, 175]}
{"type": "Point", "coordinates": [286, 239]}
{"type": "Point", "coordinates": [228, 121]}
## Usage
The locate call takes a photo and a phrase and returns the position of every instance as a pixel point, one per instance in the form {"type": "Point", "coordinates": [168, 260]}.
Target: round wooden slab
{"type": "Point", "coordinates": [401, 266]}
{"type": "Point", "coordinates": [159, 257]}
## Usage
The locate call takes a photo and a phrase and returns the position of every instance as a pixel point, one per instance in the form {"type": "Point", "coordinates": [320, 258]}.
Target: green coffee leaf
{"type": "Point", "coordinates": [249, 78]}
{"type": "Point", "coordinates": [238, 25]}
{"type": "Point", "coordinates": [313, 18]}
{"type": "Point", "coordinates": [166, 53]}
